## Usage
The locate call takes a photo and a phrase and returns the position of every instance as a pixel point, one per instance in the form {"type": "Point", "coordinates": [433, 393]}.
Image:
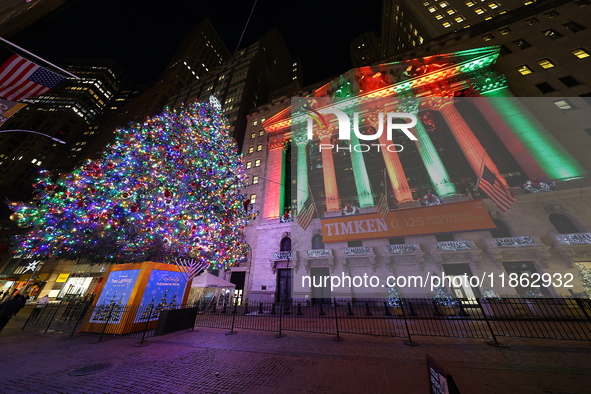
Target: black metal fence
{"type": "Point", "coordinates": [551, 318]}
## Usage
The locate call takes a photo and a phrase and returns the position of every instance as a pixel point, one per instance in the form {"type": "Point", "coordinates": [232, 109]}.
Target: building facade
{"type": "Point", "coordinates": [470, 121]}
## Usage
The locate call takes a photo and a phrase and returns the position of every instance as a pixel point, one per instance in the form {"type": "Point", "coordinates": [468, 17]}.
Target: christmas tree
{"type": "Point", "coordinates": [442, 296]}
{"type": "Point", "coordinates": [165, 189]}
{"type": "Point", "coordinates": [585, 273]}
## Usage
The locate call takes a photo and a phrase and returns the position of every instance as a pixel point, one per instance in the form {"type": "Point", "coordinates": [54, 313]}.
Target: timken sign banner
{"type": "Point", "coordinates": [446, 218]}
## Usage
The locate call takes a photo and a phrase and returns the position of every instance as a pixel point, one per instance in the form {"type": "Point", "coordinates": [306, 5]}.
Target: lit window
{"type": "Point", "coordinates": [253, 198]}
{"type": "Point", "coordinates": [261, 133]}
{"type": "Point", "coordinates": [426, 3]}
{"type": "Point", "coordinates": [451, 11]}
{"type": "Point", "coordinates": [251, 149]}
{"type": "Point", "coordinates": [446, 24]}
{"type": "Point", "coordinates": [253, 135]}
{"type": "Point", "coordinates": [467, 26]}
{"type": "Point", "coordinates": [470, 3]}
{"type": "Point", "coordinates": [546, 63]}
{"type": "Point", "coordinates": [563, 104]}
{"type": "Point", "coordinates": [494, 5]}
{"type": "Point", "coordinates": [489, 17]}
{"type": "Point", "coordinates": [521, 43]}
{"type": "Point", "coordinates": [552, 14]}
{"type": "Point", "coordinates": [525, 69]}
{"type": "Point", "coordinates": [432, 9]}
{"type": "Point", "coordinates": [443, 4]}
{"type": "Point", "coordinates": [479, 10]}
{"type": "Point", "coordinates": [505, 31]}
{"type": "Point", "coordinates": [581, 53]}
{"type": "Point", "coordinates": [248, 164]}
{"type": "Point", "coordinates": [459, 18]}
{"type": "Point", "coordinates": [255, 180]}
{"type": "Point", "coordinates": [488, 37]}
{"type": "Point", "coordinates": [503, 11]}
{"type": "Point", "coordinates": [255, 122]}
{"type": "Point", "coordinates": [439, 16]}
{"type": "Point", "coordinates": [259, 147]}
{"type": "Point", "coordinates": [528, 2]}
{"type": "Point", "coordinates": [532, 21]}
{"type": "Point", "coordinates": [257, 163]}
{"type": "Point", "coordinates": [551, 33]}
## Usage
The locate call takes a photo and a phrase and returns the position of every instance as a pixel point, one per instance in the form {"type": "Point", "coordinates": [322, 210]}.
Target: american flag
{"type": "Point", "coordinates": [495, 190]}
{"type": "Point", "coordinates": [22, 79]}
{"type": "Point", "coordinates": [307, 213]}
{"type": "Point", "coordinates": [383, 208]}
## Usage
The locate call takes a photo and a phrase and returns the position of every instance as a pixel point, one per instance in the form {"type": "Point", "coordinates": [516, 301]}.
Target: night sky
{"type": "Point", "coordinates": [144, 35]}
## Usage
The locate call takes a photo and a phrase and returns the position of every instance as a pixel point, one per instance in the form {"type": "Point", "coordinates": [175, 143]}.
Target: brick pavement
{"type": "Point", "coordinates": [207, 361]}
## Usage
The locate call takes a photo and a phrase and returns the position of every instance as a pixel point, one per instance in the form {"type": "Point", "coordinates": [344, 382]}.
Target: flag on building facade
{"type": "Point", "coordinates": [307, 213]}
{"type": "Point", "coordinates": [495, 190]}
{"type": "Point", "coordinates": [383, 208]}
{"type": "Point", "coordinates": [22, 79]}
{"type": "Point", "coordinates": [9, 108]}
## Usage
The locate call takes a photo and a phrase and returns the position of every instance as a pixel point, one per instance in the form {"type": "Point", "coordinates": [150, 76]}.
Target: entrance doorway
{"type": "Point", "coordinates": [283, 285]}
{"type": "Point", "coordinates": [320, 294]}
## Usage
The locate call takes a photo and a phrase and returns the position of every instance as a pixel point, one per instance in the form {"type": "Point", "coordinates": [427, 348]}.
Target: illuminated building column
{"type": "Point", "coordinates": [302, 170]}
{"type": "Point", "coordinates": [274, 183]}
{"type": "Point", "coordinates": [395, 171]}
{"type": "Point", "coordinates": [511, 142]}
{"type": "Point", "coordinates": [364, 195]}
{"type": "Point", "coordinates": [471, 147]}
{"type": "Point", "coordinates": [433, 164]}
{"type": "Point", "coordinates": [331, 191]}
{"type": "Point", "coordinates": [545, 149]}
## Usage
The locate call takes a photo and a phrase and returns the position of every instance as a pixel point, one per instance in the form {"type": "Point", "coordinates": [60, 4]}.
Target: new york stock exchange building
{"type": "Point", "coordinates": [420, 168]}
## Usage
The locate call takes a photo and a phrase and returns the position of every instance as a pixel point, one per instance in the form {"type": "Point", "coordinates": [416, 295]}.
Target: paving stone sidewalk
{"type": "Point", "coordinates": [208, 361]}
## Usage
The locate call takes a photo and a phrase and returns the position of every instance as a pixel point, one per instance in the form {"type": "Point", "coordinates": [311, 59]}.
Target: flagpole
{"type": "Point", "coordinates": [38, 58]}
{"type": "Point", "coordinates": [481, 169]}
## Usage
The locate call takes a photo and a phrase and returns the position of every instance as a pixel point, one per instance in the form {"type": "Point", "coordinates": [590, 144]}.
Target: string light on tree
{"type": "Point", "coordinates": [165, 189]}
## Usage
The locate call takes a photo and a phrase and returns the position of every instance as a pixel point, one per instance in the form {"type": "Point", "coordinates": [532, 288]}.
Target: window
{"type": "Point", "coordinates": [546, 63]}
{"type": "Point", "coordinates": [494, 5]}
{"type": "Point", "coordinates": [525, 69]}
{"type": "Point", "coordinates": [317, 242]}
{"type": "Point", "coordinates": [443, 4]}
{"type": "Point", "coordinates": [261, 133]}
{"type": "Point", "coordinates": [259, 147]}
{"type": "Point", "coordinates": [504, 31]}
{"type": "Point", "coordinates": [285, 245]}
{"type": "Point", "coordinates": [451, 11]}
{"type": "Point", "coordinates": [581, 53]}
{"type": "Point", "coordinates": [248, 164]}
{"type": "Point", "coordinates": [479, 10]}
{"type": "Point", "coordinates": [396, 241]}
{"type": "Point", "coordinates": [521, 43]}
{"type": "Point", "coordinates": [503, 11]}
{"type": "Point", "coordinates": [432, 9]}
{"type": "Point", "coordinates": [255, 180]}
{"type": "Point", "coordinates": [253, 198]}
{"type": "Point", "coordinates": [569, 81]}
{"type": "Point", "coordinates": [439, 16]}
{"type": "Point", "coordinates": [250, 149]}
{"type": "Point", "coordinates": [563, 224]}
{"type": "Point", "coordinates": [528, 2]}
{"type": "Point", "coordinates": [354, 244]}
{"type": "Point", "coordinates": [545, 87]}
{"type": "Point", "coordinates": [488, 37]}
{"type": "Point", "coordinates": [257, 163]}
{"type": "Point", "coordinates": [459, 19]}
{"type": "Point", "coordinates": [532, 21]}
{"type": "Point", "coordinates": [426, 3]}
{"type": "Point", "coordinates": [574, 26]}
{"type": "Point", "coordinates": [444, 237]}
{"type": "Point", "coordinates": [467, 26]}
{"type": "Point", "coordinates": [551, 14]}
{"type": "Point", "coordinates": [551, 33]}
{"type": "Point", "coordinates": [489, 17]}
{"type": "Point", "coordinates": [446, 24]}
{"type": "Point", "coordinates": [564, 104]}
{"type": "Point", "coordinates": [502, 231]}
{"type": "Point", "coordinates": [470, 3]}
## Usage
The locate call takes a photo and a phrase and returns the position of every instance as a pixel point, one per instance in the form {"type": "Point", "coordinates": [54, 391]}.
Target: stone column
{"type": "Point", "coordinates": [275, 165]}
{"type": "Point", "coordinates": [302, 169]}
{"type": "Point", "coordinates": [331, 190]}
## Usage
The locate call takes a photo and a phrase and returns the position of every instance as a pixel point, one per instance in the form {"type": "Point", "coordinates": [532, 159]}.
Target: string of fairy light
{"type": "Point", "coordinates": [167, 188]}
